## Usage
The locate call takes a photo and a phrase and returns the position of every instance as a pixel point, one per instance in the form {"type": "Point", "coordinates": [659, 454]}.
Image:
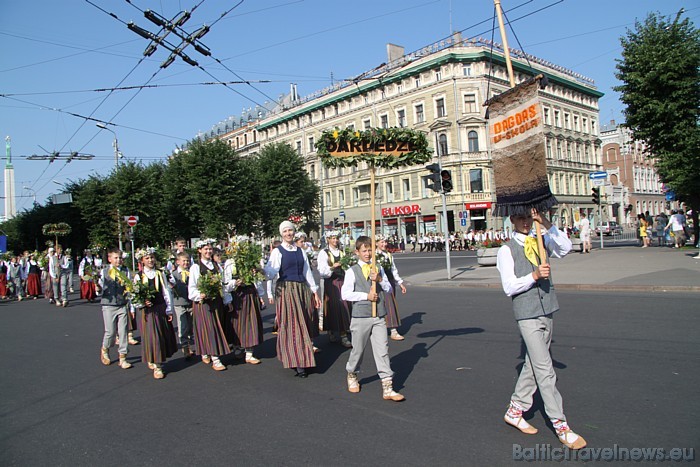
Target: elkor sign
{"type": "Point", "coordinates": [472, 206]}
{"type": "Point", "coordinates": [401, 210]}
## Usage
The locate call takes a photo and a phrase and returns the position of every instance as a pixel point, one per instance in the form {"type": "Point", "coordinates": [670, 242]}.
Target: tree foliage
{"type": "Point", "coordinates": [660, 72]}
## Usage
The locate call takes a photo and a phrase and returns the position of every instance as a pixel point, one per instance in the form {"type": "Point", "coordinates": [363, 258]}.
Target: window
{"type": "Point", "coordinates": [440, 108]}
{"type": "Point", "coordinates": [470, 103]}
{"type": "Point", "coordinates": [442, 144]}
{"type": "Point", "coordinates": [341, 198]}
{"type": "Point", "coordinates": [350, 127]}
{"type": "Point", "coordinates": [406, 189]}
{"type": "Point", "coordinates": [399, 88]}
{"type": "Point", "coordinates": [584, 121]}
{"type": "Point", "coordinates": [466, 70]}
{"type": "Point", "coordinates": [438, 75]}
{"type": "Point", "coordinates": [401, 118]}
{"type": "Point", "coordinates": [426, 183]}
{"type": "Point", "coordinates": [547, 117]}
{"type": "Point", "coordinates": [416, 81]}
{"type": "Point", "coordinates": [299, 147]}
{"type": "Point", "coordinates": [568, 151]}
{"type": "Point", "coordinates": [328, 199]}
{"type": "Point", "coordinates": [557, 122]}
{"type": "Point", "coordinates": [420, 115]}
{"type": "Point", "coordinates": [594, 128]}
{"type": "Point", "coordinates": [576, 123]}
{"type": "Point", "coordinates": [476, 182]}
{"type": "Point", "coordinates": [355, 196]}
{"type": "Point", "coordinates": [312, 148]}
{"type": "Point", "coordinates": [367, 124]}
{"type": "Point", "coordinates": [389, 190]}
{"type": "Point", "coordinates": [567, 121]}
{"type": "Point", "coordinates": [549, 148]}
{"type": "Point", "coordinates": [325, 173]}
{"type": "Point", "coordinates": [312, 171]}
{"type": "Point", "coordinates": [384, 121]}
{"type": "Point", "coordinates": [578, 153]}
{"type": "Point", "coordinates": [559, 153]}
{"type": "Point", "coordinates": [473, 141]}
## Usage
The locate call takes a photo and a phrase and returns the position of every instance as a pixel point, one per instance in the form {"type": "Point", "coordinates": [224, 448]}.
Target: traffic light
{"type": "Point", "coordinates": [446, 177]}
{"type": "Point", "coordinates": [435, 177]}
{"type": "Point", "coordinates": [595, 193]}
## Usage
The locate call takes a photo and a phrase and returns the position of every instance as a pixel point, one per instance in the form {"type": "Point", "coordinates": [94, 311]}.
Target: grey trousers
{"type": "Point", "coordinates": [363, 330]}
{"type": "Point", "coordinates": [60, 286]}
{"type": "Point", "coordinates": [116, 322]}
{"type": "Point", "coordinates": [538, 371]}
{"type": "Point", "coordinates": [184, 325]}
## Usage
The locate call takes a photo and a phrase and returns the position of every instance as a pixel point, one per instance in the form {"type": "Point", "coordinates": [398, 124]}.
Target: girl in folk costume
{"type": "Point", "coordinates": [296, 302]}
{"type": "Point", "coordinates": [246, 290]}
{"type": "Point", "coordinates": [157, 333]}
{"type": "Point", "coordinates": [33, 272]}
{"type": "Point", "coordinates": [86, 271]}
{"type": "Point", "coordinates": [3, 278]}
{"type": "Point", "coordinates": [336, 311]}
{"type": "Point", "coordinates": [46, 277]}
{"type": "Point", "coordinates": [208, 309]}
{"type": "Point", "coordinates": [386, 261]}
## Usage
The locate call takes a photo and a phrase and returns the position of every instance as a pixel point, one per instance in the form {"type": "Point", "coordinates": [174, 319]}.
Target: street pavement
{"type": "Point", "coordinates": [627, 364]}
{"type": "Point", "coordinates": [613, 268]}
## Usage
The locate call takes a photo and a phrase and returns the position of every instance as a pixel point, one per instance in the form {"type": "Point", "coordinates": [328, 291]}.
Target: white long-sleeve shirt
{"type": "Point", "coordinates": [165, 290]}
{"type": "Point", "coordinates": [192, 290]}
{"type": "Point", "coordinates": [556, 243]}
{"type": "Point", "coordinates": [272, 268]}
{"type": "Point", "coordinates": [324, 268]}
{"type": "Point", "coordinates": [348, 290]}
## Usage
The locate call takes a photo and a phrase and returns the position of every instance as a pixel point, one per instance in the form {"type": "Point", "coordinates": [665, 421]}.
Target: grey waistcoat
{"type": "Point", "coordinates": [180, 292]}
{"type": "Point", "coordinates": [540, 300]}
{"type": "Point", "coordinates": [363, 309]}
{"type": "Point", "coordinates": [112, 291]}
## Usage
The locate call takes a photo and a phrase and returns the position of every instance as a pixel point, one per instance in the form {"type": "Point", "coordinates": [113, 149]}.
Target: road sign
{"type": "Point", "coordinates": [341, 214]}
{"type": "Point", "coordinates": [598, 181]}
{"type": "Point", "coordinates": [131, 221]}
{"type": "Point", "coordinates": [596, 175]}
{"type": "Point", "coordinates": [463, 222]}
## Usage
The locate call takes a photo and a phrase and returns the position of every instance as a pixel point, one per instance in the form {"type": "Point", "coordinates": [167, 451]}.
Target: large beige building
{"type": "Point", "coordinates": [439, 90]}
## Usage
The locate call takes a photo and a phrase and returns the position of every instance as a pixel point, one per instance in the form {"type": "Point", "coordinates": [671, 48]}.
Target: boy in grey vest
{"type": "Point", "coordinates": [526, 279]}
{"type": "Point", "coordinates": [114, 308]}
{"type": "Point", "coordinates": [357, 288]}
{"type": "Point", "coordinates": [181, 302]}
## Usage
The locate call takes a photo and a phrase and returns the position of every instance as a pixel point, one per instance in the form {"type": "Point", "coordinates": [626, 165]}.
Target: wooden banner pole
{"type": "Point", "coordinates": [373, 286]}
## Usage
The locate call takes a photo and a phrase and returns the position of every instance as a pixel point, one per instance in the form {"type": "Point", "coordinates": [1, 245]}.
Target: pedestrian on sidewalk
{"type": "Point", "coordinates": [526, 279]}
{"type": "Point", "coordinates": [585, 233]}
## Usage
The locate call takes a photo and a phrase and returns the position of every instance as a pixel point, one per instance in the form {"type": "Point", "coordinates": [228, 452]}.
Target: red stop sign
{"type": "Point", "coordinates": [131, 221]}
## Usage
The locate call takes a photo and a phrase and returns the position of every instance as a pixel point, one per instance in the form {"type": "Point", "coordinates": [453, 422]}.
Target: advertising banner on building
{"type": "Point", "coordinates": [518, 151]}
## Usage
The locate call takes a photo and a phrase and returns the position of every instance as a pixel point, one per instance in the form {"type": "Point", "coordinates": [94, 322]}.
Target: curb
{"type": "Point", "coordinates": [579, 287]}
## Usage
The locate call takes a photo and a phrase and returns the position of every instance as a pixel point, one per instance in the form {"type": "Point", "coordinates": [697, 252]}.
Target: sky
{"type": "Point", "coordinates": [60, 58]}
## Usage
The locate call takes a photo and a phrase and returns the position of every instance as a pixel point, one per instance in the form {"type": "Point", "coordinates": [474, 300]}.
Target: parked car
{"type": "Point", "coordinates": [609, 228]}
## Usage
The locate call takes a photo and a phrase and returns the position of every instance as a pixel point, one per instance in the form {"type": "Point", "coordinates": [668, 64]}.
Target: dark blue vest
{"type": "Point", "coordinates": [292, 265]}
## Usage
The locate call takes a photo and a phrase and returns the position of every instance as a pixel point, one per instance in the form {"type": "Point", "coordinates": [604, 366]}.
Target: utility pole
{"type": "Point", "coordinates": [115, 144]}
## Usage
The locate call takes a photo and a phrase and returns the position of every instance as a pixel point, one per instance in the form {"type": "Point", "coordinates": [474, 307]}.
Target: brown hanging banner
{"type": "Point", "coordinates": [518, 150]}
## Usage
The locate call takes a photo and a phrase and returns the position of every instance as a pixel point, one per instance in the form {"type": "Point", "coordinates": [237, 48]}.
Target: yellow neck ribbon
{"type": "Point", "coordinates": [366, 269]}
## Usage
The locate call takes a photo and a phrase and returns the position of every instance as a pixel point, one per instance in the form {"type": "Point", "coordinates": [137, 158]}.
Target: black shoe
{"type": "Point", "coordinates": [301, 373]}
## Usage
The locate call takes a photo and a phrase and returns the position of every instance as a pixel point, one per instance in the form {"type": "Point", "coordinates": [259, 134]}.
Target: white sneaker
{"type": "Point", "coordinates": [353, 383]}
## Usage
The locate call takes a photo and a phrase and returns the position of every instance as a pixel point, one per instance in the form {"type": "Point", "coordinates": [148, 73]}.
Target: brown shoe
{"type": "Point", "coordinates": [132, 341]}
{"type": "Point", "coordinates": [520, 424]}
{"type": "Point", "coordinates": [570, 439]}
{"type": "Point", "coordinates": [104, 357]}
{"type": "Point", "coordinates": [158, 373]}
{"type": "Point", "coordinates": [218, 366]}
{"type": "Point", "coordinates": [353, 383]}
{"type": "Point", "coordinates": [187, 352]}
{"type": "Point", "coordinates": [252, 360]}
{"type": "Point", "coordinates": [123, 364]}
{"type": "Point", "coordinates": [206, 359]}
{"type": "Point", "coordinates": [388, 392]}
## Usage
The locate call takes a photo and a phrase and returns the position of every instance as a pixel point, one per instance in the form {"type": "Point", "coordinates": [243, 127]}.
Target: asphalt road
{"type": "Point", "coordinates": [627, 366]}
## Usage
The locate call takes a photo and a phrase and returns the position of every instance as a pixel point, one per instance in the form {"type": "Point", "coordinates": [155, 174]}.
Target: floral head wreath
{"type": "Point", "coordinates": [380, 237]}
{"type": "Point", "coordinates": [332, 233]}
{"type": "Point", "coordinates": [205, 242]}
{"type": "Point", "coordinates": [242, 238]}
{"type": "Point", "coordinates": [299, 235]}
{"type": "Point", "coordinates": [141, 252]}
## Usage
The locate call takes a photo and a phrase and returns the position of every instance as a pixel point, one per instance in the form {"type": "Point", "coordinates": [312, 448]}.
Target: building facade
{"type": "Point", "coordinates": [439, 90]}
{"type": "Point", "coordinates": [633, 180]}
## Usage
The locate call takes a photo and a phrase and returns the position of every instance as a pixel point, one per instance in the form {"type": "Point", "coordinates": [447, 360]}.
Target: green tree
{"type": "Point", "coordinates": [660, 72]}
{"type": "Point", "coordinates": [285, 188]}
{"type": "Point", "coordinates": [210, 191]}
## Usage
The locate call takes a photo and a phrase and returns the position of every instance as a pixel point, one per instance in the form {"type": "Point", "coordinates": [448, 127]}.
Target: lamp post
{"type": "Point", "coordinates": [33, 193]}
{"type": "Point", "coordinates": [117, 154]}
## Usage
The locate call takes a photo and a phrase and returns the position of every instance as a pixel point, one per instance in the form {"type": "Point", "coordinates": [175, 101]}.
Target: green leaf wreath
{"type": "Point", "coordinates": [416, 140]}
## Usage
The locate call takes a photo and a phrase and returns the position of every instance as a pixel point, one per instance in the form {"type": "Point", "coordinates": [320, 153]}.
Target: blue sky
{"type": "Point", "coordinates": [56, 53]}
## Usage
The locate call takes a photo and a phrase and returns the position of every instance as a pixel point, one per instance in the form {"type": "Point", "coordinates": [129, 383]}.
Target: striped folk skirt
{"type": "Point", "coordinates": [33, 285]}
{"type": "Point", "coordinates": [336, 311]}
{"type": "Point", "coordinates": [3, 284]}
{"type": "Point", "coordinates": [393, 320]}
{"type": "Point", "coordinates": [157, 335]}
{"type": "Point", "coordinates": [87, 290]}
{"type": "Point", "coordinates": [48, 286]}
{"type": "Point", "coordinates": [247, 321]}
{"type": "Point", "coordinates": [297, 324]}
{"type": "Point", "coordinates": [209, 337]}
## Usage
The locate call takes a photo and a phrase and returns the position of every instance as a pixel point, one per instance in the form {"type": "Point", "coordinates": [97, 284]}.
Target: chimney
{"type": "Point", "coordinates": [394, 52]}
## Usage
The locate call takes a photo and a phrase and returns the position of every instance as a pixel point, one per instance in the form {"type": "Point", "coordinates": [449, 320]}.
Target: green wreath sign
{"type": "Point", "coordinates": [60, 229]}
{"type": "Point", "coordinates": [381, 147]}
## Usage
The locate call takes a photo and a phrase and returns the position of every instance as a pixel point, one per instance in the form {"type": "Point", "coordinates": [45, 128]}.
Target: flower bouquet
{"type": "Point", "coordinates": [347, 260]}
{"type": "Point", "coordinates": [87, 272]}
{"type": "Point", "coordinates": [246, 262]}
{"type": "Point", "coordinates": [141, 293]}
{"type": "Point", "coordinates": [210, 285]}
{"type": "Point", "coordinates": [383, 261]}
{"type": "Point", "coordinates": [41, 260]}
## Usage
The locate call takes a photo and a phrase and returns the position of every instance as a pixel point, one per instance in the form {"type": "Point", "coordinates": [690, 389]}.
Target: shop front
{"type": "Point", "coordinates": [477, 214]}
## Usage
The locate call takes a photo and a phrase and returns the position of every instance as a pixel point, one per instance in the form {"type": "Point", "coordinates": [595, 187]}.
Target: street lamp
{"type": "Point", "coordinates": [117, 155]}
{"type": "Point", "coordinates": [33, 192]}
